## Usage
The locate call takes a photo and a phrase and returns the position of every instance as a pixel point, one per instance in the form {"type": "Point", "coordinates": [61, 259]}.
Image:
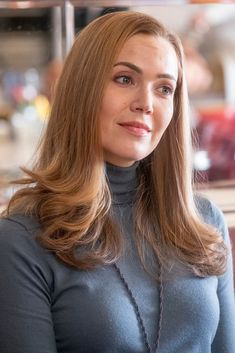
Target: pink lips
{"type": "Point", "coordinates": [136, 128]}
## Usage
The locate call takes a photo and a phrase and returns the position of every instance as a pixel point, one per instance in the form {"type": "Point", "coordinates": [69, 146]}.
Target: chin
{"type": "Point", "coordinates": [137, 158]}
{"type": "Point", "coordinates": [123, 158]}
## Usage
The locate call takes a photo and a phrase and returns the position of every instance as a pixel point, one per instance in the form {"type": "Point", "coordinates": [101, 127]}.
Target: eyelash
{"type": "Point", "coordinates": [117, 78]}
{"type": "Point", "coordinates": [170, 90]}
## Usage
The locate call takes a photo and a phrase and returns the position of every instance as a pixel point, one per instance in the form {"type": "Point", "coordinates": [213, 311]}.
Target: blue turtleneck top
{"type": "Point", "coordinates": [49, 307]}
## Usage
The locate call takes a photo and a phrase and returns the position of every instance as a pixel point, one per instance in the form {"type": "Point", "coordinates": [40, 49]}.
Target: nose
{"type": "Point", "coordinates": [143, 101]}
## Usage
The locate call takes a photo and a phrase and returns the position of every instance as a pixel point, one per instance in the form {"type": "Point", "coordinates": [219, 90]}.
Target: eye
{"type": "Point", "coordinates": [166, 90]}
{"type": "Point", "coordinates": [123, 79]}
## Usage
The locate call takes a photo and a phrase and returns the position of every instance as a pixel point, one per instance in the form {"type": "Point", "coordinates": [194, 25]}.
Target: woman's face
{"type": "Point", "coordinates": [138, 100]}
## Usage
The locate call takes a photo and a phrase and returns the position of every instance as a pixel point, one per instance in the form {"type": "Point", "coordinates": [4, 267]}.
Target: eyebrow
{"type": "Point", "coordinates": [139, 71]}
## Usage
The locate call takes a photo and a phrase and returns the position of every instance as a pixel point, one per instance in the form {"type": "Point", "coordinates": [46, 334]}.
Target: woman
{"type": "Point", "coordinates": [105, 248]}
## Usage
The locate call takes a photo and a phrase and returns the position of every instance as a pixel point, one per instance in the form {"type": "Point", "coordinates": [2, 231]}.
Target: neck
{"type": "Point", "coordinates": [123, 182]}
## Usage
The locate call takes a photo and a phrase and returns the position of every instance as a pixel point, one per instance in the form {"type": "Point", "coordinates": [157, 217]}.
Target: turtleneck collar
{"type": "Point", "coordinates": [122, 182]}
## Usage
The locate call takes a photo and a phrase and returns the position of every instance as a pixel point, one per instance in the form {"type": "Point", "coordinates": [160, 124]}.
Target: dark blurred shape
{"type": "Point", "coordinates": [83, 16]}
{"type": "Point", "coordinates": [25, 20]}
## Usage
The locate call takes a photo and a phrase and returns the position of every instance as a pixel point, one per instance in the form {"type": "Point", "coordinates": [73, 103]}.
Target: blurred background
{"type": "Point", "coordinates": [35, 37]}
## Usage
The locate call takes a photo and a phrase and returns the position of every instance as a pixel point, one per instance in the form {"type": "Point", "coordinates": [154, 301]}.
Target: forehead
{"type": "Point", "coordinates": [149, 51]}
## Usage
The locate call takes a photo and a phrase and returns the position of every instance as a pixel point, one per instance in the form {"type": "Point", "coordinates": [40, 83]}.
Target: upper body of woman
{"type": "Point", "coordinates": [105, 248]}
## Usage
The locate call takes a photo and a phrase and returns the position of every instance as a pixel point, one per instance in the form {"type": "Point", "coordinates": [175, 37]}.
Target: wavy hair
{"type": "Point", "coordinates": [67, 189]}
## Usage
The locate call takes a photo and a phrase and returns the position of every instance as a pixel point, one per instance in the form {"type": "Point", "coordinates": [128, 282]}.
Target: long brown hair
{"type": "Point", "coordinates": [67, 189]}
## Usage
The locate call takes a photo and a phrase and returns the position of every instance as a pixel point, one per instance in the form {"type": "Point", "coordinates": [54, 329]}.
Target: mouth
{"type": "Point", "coordinates": [136, 128]}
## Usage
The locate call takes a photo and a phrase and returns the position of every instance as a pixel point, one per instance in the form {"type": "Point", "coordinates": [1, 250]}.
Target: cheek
{"type": "Point", "coordinates": [105, 108]}
{"type": "Point", "coordinates": [112, 111]}
{"type": "Point", "coordinates": [109, 105]}
{"type": "Point", "coordinates": [164, 120]}
{"type": "Point", "coordinates": [106, 115]}
{"type": "Point", "coordinates": [170, 111]}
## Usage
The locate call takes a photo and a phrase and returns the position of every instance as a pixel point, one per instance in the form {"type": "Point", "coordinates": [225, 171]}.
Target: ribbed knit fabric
{"type": "Point", "coordinates": [123, 183]}
{"type": "Point", "coordinates": [48, 307]}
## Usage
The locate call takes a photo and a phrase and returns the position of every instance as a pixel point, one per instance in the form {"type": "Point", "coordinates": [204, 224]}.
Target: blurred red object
{"type": "Point", "coordinates": [216, 132]}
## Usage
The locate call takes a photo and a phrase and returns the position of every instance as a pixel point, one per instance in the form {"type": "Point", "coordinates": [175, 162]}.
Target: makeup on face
{"type": "Point", "coordinates": [138, 100]}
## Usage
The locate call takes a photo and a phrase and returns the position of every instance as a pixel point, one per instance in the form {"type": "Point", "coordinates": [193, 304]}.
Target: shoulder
{"type": "Point", "coordinates": [18, 238]}
{"type": "Point", "coordinates": [18, 225]}
{"type": "Point", "coordinates": [211, 214]}
{"type": "Point", "coordinates": [25, 265]}
{"type": "Point", "coordinates": [28, 223]}
{"type": "Point", "coordinates": [208, 210]}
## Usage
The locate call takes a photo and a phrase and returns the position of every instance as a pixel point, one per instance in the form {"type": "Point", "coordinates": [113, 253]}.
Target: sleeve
{"type": "Point", "coordinates": [26, 323]}
{"type": "Point", "coordinates": [224, 341]}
